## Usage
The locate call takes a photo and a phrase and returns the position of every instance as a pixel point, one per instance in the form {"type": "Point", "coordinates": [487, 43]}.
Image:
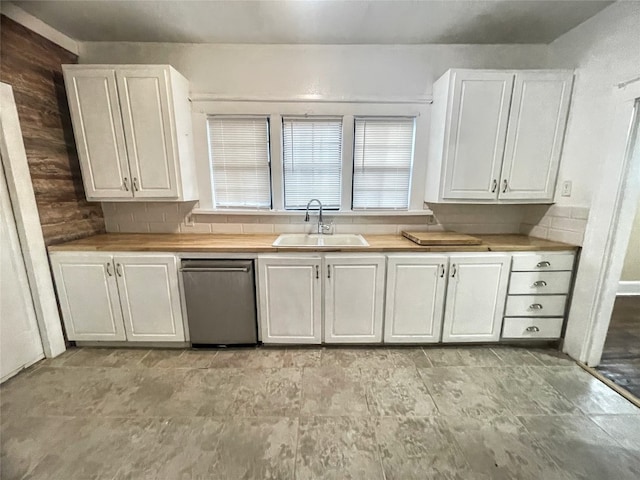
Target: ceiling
{"type": "Point", "coordinates": [315, 21]}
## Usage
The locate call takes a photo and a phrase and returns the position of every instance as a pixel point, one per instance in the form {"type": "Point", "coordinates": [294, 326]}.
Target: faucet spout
{"type": "Point", "coordinates": [306, 217]}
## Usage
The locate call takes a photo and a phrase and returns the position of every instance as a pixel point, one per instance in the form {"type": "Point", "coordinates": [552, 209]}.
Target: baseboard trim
{"type": "Point", "coordinates": [629, 288]}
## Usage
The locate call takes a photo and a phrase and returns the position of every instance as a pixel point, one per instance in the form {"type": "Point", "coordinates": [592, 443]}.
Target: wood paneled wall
{"type": "Point", "coordinates": [31, 64]}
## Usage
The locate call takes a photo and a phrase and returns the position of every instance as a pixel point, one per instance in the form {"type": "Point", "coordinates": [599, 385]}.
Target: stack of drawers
{"type": "Point", "coordinates": [538, 291]}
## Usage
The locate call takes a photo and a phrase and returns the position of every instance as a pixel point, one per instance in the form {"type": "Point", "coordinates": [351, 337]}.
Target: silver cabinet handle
{"type": "Point", "coordinates": [505, 184]}
{"type": "Point", "coordinates": [328, 271]}
{"type": "Point", "coordinates": [317, 271]}
{"type": "Point", "coordinates": [533, 328]}
{"type": "Point", "coordinates": [494, 185]}
{"type": "Point", "coordinates": [543, 264]}
{"type": "Point", "coordinates": [119, 269]}
{"type": "Point", "coordinates": [135, 184]}
{"type": "Point", "coordinates": [535, 306]}
{"type": "Point", "coordinates": [454, 270]}
{"type": "Point", "coordinates": [109, 272]}
{"type": "Point", "coordinates": [125, 183]}
{"type": "Point", "coordinates": [442, 272]}
{"type": "Point", "coordinates": [539, 283]}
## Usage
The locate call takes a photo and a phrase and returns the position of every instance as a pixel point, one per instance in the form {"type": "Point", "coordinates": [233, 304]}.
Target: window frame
{"type": "Point", "coordinates": [276, 110]}
{"type": "Point", "coordinates": [411, 164]}
{"type": "Point", "coordinates": [318, 118]}
{"type": "Point", "coordinates": [267, 119]}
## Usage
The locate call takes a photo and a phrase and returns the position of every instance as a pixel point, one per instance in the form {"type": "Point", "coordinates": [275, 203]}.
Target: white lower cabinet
{"type": "Point", "coordinates": [149, 296]}
{"type": "Point", "coordinates": [476, 295]}
{"type": "Point", "coordinates": [291, 298]}
{"type": "Point", "coordinates": [290, 294]}
{"type": "Point", "coordinates": [416, 286]}
{"type": "Point", "coordinates": [354, 296]}
{"type": "Point", "coordinates": [132, 297]}
{"type": "Point", "coordinates": [88, 296]}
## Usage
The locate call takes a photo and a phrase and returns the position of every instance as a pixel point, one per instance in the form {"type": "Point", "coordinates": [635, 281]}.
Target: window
{"type": "Point", "coordinates": [382, 161]}
{"type": "Point", "coordinates": [239, 156]}
{"type": "Point", "coordinates": [312, 154]}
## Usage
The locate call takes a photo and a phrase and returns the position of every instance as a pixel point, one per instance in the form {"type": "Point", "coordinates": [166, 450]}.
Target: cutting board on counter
{"type": "Point", "coordinates": [441, 238]}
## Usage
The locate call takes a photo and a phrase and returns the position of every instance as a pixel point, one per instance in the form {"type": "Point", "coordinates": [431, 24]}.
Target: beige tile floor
{"type": "Point", "coordinates": [332, 413]}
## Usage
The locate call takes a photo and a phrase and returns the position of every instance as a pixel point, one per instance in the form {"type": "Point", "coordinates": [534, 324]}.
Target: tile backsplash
{"type": "Point", "coordinates": [556, 223]}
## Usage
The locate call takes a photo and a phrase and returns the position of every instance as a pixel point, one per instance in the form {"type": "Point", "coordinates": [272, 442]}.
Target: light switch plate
{"type": "Point", "coordinates": [566, 188]}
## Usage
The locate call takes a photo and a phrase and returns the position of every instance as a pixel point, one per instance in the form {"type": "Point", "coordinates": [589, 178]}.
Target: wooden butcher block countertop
{"type": "Point", "coordinates": [209, 243]}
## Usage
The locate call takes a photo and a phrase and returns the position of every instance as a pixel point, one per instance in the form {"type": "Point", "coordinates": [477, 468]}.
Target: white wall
{"type": "Point", "coordinates": [604, 50]}
{"type": "Point", "coordinates": [631, 270]}
{"type": "Point", "coordinates": [333, 71]}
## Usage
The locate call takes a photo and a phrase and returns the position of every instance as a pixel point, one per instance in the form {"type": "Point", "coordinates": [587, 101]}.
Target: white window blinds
{"type": "Point", "coordinates": [312, 152]}
{"type": "Point", "coordinates": [239, 155]}
{"type": "Point", "coordinates": [382, 161]}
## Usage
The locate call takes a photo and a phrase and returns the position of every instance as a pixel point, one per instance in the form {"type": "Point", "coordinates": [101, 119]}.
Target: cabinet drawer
{"type": "Point", "coordinates": [531, 327]}
{"type": "Point", "coordinates": [542, 261]}
{"type": "Point", "coordinates": [527, 283]}
{"type": "Point", "coordinates": [535, 305]}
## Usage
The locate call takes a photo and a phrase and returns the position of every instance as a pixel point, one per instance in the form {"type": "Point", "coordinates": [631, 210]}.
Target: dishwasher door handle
{"type": "Point", "coordinates": [215, 269]}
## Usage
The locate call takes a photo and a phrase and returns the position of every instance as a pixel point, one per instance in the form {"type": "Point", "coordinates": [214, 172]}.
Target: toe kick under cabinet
{"type": "Point", "coordinates": [117, 297]}
{"type": "Point", "coordinates": [539, 288]}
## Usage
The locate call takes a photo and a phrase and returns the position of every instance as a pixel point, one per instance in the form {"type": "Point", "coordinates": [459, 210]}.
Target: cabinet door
{"type": "Point", "coordinates": [354, 291]}
{"type": "Point", "coordinates": [415, 298]}
{"type": "Point", "coordinates": [476, 295]}
{"type": "Point", "coordinates": [97, 125]}
{"type": "Point", "coordinates": [150, 297]}
{"type": "Point", "coordinates": [149, 131]}
{"type": "Point", "coordinates": [88, 296]}
{"type": "Point", "coordinates": [477, 126]}
{"type": "Point", "coordinates": [535, 135]}
{"type": "Point", "coordinates": [290, 299]}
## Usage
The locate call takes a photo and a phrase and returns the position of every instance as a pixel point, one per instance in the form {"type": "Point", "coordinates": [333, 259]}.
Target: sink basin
{"type": "Point", "coordinates": [303, 240]}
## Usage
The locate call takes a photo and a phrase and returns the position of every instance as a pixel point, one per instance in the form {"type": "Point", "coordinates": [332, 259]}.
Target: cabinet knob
{"type": "Point", "coordinates": [125, 183]}
{"type": "Point", "coordinates": [119, 269]}
{"type": "Point", "coordinates": [317, 272]}
{"type": "Point", "coordinates": [454, 270]}
{"type": "Point", "coordinates": [505, 185]}
{"type": "Point", "coordinates": [109, 272]}
{"type": "Point", "coordinates": [442, 271]}
{"type": "Point", "coordinates": [543, 264]}
{"type": "Point", "coordinates": [535, 306]}
{"type": "Point", "coordinates": [494, 185]}
{"type": "Point", "coordinates": [533, 328]}
{"type": "Point", "coordinates": [135, 184]}
{"type": "Point", "coordinates": [539, 283]}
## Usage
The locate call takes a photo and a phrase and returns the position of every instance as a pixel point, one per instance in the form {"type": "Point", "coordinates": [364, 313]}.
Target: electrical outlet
{"type": "Point", "coordinates": [566, 188]}
{"type": "Point", "coordinates": [188, 221]}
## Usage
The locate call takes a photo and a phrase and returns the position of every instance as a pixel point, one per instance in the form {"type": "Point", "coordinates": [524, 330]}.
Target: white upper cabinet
{"type": "Point", "coordinates": [476, 132]}
{"type": "Point", "coordinates": [97, 125]}
{"type": "Point", "coordinates": [149, 296]}
{"type": "Point", "coordinates": [416, 285]}
{"type": "Point", "coordinates": [354, 296]}
{"type": "Point", "coordinates": [539, 109]}
{"type": "Point", "coordinates": [133, 130]}
{"type": "Point", "coordinates": [290, 291]}
{"type": "Point", "coordinates": [476, 296]}
{"type": "Point", "coordinates": [496, 136]}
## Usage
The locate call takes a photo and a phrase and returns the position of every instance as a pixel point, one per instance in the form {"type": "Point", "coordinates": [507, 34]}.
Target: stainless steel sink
{"type": "Point", "coordinates": [303, 240]}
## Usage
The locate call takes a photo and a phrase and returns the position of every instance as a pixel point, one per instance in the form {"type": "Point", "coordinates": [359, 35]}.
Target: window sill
{"type": "Point", "coordinates": [329, 213]}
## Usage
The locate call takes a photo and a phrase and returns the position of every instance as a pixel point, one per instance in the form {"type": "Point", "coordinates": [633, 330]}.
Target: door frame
{"type": "Point", "coordinates": [607, 232]}
{"type": "Point", "coordinates": [25, 211]}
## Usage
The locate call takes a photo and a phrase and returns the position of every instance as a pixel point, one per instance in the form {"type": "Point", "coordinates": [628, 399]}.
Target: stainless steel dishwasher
{"type": "Point", "coordinates": [220, 297]}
